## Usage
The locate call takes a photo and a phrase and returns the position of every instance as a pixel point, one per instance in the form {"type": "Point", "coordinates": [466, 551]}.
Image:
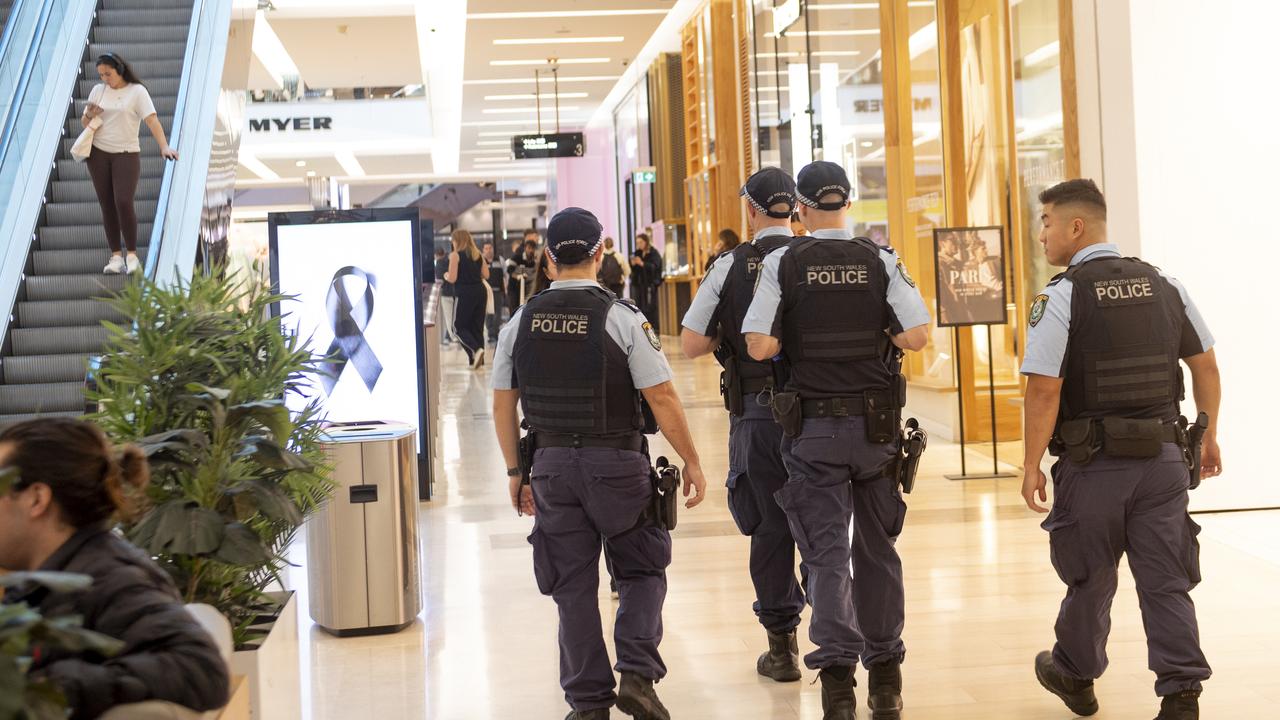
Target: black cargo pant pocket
{"type": "Point", "coordinates": [743, 504]}
{"type": "Point", "coordinates": [892, 512]}
{"type": "Point", "coordinates": [1192, 555]}
{"type": "Point", "coordinates": [1066, 552]}
{"type": "Point", "coordinates": [544, 571]}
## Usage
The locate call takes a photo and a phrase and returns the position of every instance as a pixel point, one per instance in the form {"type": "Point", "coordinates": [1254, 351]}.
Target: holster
{"type": "Point", "coordinates": [1195, 438]}
{"type": "Point", "coordinates": [666, 491]}
{"type": "Point", "coordinates": [882, 416]}
{"type": "Point", "coordinates": [731, 388]}
{"type": "Point", "coordinates": [527, 447]}
{"type": "Point", "coordinates": [787, 412]}
{"type": "Point", "coordinates": [914, 441]}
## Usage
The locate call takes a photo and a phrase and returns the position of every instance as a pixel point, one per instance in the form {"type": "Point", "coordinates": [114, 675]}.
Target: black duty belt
{"type": "Point", "coordinates": [753, 386]}
{"type": "Point", "coordinates": [833, 407]}
{"type": "Point", "coordinates": [633, 442]}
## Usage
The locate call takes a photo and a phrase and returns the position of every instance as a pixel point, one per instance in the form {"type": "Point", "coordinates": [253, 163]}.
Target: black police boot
{"type": "Point", "coordinates": [1181, 706]}
{"type": "Point", "coordinates": [597, 714]}
{"type": "Point", "coordinates": [838, 702]}
{"type": "Point", "coordinates": [1076, 694]}
{"type": "Point", "coordinates": [782, 661]}
{"type": "Point", "coordinates": [884, 690]}
{"type": "Point", "coordinates": [637, 698]}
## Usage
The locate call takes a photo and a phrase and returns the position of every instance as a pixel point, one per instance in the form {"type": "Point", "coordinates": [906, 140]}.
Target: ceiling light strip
{"type": "Point", "coordinates": [541, 14]}
{"type": "Point", "coordinates": [559, 40]}
{"type": "Point", "coordinates": [559, 61]}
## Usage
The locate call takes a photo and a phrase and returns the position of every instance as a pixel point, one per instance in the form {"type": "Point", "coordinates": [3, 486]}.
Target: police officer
{"type": "Point", "coordinates": [832, 305]}
{"type": "Point", "coordinates": [1103, 382]}
{"type": "Point", "coordinates": [577, 359]}
{"type": "Point", "coordinates": [756, 472]}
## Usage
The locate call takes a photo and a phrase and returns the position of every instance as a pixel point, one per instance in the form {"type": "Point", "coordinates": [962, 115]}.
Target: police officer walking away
{"type": "Point", "coordinates": [833, 306]}
{"type": "Point", "coordinates": [1103, 393]}
{"type": "Point", "coordinates": [578, 360]}
{"type": "Point", "coordinates": [756, 472]}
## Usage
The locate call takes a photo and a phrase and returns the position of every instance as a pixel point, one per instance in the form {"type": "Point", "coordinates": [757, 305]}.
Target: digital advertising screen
{"type": "Point", "coordinates": [354, 275]}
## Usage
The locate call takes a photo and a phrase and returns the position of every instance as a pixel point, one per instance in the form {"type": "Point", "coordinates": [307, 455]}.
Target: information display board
{"type": "Point", "coordinates": [549, 145]}
{"type": "Point", "coordinates": [969, 262]}
{"type": "Point", "coordinates": [354, 278]}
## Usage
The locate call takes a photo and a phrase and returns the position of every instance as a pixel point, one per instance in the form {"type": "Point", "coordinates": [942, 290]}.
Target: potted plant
{"type": "Point", "coordinates": [199, 383]}
{"type": "Point", "coordinates": [23, 629]}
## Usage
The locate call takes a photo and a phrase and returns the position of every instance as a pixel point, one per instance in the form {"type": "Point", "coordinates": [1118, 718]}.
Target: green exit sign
{"type": "Point", "coordinates": [644, 177]}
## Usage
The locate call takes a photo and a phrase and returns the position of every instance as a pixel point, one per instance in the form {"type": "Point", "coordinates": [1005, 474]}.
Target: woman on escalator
{"type": "Point", "coordinates": [468, 272]}
{"type": "Point", "coordinates": [123, 104]}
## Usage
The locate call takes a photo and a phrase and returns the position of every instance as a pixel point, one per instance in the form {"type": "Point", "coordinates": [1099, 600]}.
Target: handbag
{"type": "Point", "coordinates": [83, 145]}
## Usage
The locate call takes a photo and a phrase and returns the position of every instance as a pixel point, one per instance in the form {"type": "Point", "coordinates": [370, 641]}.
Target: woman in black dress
{"type": "Point", "coordinates": [468, 273]}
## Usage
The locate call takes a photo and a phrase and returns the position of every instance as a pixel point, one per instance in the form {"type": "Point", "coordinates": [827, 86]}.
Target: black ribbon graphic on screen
{"type": "Point", "coordinates": [348, 322]}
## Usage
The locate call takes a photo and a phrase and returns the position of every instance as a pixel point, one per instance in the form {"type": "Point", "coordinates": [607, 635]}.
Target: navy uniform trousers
{"type": "Point", "coordinates": [1116, 506]}
{"type": "Point", "coordinates": [581, 495]}
{"type": "Point", "coordinates": [835, 475]}
{"type": "Point", "coordinates": [756, 472]}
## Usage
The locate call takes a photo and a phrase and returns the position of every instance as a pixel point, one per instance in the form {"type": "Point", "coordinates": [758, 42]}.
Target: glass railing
{"type": "Point", "coordinates": [43, 46]}
{"type": "Point", "coordinates": [177, 229]}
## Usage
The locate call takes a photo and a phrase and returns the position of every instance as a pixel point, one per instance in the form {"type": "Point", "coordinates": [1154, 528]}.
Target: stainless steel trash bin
{"type": "Point", "coordinates": [362, 546]}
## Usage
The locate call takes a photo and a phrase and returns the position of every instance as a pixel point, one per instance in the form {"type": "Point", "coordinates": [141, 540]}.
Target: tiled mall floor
{"type": "Point", "coordinates": [981, 599]}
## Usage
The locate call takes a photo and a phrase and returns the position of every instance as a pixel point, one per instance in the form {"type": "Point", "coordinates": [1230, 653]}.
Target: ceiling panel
{"type": "Point", "coordinates": [287, 167]}
{"type": "Point", "coordinates": [395, 164]}
{"type": "Point", "coordinates": [352, 52]}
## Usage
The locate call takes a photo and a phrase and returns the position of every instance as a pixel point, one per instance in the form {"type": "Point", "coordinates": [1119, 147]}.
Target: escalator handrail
{"type": "Point", "coordinates": [175, 138]}
{"type": "Point", "coordinates": [9, 121]}
{"type": "Point", "coordinates": [14, 11]}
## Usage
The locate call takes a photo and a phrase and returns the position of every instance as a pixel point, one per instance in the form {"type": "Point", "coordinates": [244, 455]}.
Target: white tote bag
{"type": "Point", "coordinates": [84, 144]}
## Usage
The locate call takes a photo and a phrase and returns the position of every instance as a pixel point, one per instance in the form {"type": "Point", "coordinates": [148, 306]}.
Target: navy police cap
{"type": "Point", "coordinates": [573, 235]}
{"type": "Point", "coordinates": [821, 178]}
{"type": "Point", "coordinates": [768, 187]}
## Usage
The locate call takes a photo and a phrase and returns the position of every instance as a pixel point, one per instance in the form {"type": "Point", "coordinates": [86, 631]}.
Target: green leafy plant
{"type": "Point", "coordinates": [23, 629]}
{"type": "Point", "coordinates": [199, 383]}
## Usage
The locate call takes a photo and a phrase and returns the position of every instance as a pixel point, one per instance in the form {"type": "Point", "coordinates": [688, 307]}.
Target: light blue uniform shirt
{"type": "Point", "coordinates": [1046, 352]}
{"type": "Point", "coordinates": [705, 302]}
{"type": "Point", "coordinates": [625, 326]}
{"type": "Point", "coordinates": [903, 296]}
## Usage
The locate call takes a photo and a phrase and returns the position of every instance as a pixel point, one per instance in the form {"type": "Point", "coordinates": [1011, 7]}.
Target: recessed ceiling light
{"type": "Point", "coordinates": [559, 61]}
{"type": "Point", "coordinates": [531, 96]}
{"type": "Point", "coordinates": [867, 143]}
{"type": "Point", "coordinates": [311, 173]}
{"type": "Point", "coordinates": [559, 40]}
{"type": "Point", "coordinates": [301, 163]}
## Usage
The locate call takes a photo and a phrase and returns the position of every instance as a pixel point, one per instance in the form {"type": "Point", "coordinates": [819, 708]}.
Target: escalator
{"type": "Point", "coordinates": [56, 325]}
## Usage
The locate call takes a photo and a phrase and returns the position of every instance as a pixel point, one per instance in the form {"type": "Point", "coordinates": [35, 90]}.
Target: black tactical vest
{"type": "Point", "coordinates": [1122, 348]}
{"type": "Point", "coordinates": [834, 315]}
{"type": "Point", "coordinates": [573, 378]}
{"type": "Point", "coordinates": [735, 299]}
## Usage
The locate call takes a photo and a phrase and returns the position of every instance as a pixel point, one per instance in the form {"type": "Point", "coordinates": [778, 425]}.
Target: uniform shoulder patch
{"type": "Point", "coordinates": [1037, 309]}
{"type": "Point", "coordinates": [906, 277]}
{"type": "Point", "coordinates": [652, 336]}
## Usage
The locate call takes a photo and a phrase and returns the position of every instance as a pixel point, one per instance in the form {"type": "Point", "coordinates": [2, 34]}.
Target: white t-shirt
{"type": "Point", "coordinates": [123, 111]}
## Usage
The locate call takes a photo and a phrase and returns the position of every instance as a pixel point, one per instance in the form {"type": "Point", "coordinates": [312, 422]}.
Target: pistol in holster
{"type": "Point", "coordinates": [731, 387]}
{"type": "Point", "coordinates": [1195, 439]}
{"type": "Point", "coordinates": [787, 412]}
{"type": "Point", "coordinates": [666, 491]}
{"type": "Point", "coordinates": [912, 445]}
{"type": "Point", "coordinates": [526, 448]}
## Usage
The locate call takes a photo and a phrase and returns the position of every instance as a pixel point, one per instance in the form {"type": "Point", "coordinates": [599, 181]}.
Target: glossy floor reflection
{"type": "Point", "coordinates": [981, 599]}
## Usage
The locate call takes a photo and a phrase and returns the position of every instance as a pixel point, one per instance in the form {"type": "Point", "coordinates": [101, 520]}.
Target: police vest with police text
{"type": "Point", "coordinates": [1122, 348]}
{"type": "Point", "coordinates": [573, 378]}
{"type": "Point", "coordinates": [735, 298]}
{"type": "Point", "coordinates": [835, 311]}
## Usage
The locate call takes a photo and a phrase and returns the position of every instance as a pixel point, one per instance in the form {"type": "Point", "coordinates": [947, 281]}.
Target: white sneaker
{"type": "Point", "coordinates": [132, 264]}
{"type": "Point", "coordinates": [115, 267]}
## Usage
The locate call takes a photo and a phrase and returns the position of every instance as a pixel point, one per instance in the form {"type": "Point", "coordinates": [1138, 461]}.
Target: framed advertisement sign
{"type": "Point", "coordinates": [969, 262]}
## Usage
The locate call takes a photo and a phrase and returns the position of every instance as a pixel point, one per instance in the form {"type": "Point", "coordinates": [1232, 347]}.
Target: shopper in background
{"type": "Point", "coordinates": [614, 269]}
{"type": "Point", "coordinates": [577, 360]}
{"type": "Point", "coordinates": [646, 276]}
{"type": "Point", "coordinates": [123, 103]}
{"type": "Point", "coordinates": [520, 268]}
{"type": "Point", "coordinates": [496, 303]}
{"type": "Point", "coordinates": [797, 227]}
{"type": "Point", "coordinates": [444, 314]}
{"type": "Point", "coordinates": [725, 242]}
{"type": "Point", "coordinates": [1104, 385]}
{"type": "Point", "coordinates": [468, 272]}
{"type": "Point", "coordinates": [544, 275]}
{"type": "Point", "coordinates": [67, 483]}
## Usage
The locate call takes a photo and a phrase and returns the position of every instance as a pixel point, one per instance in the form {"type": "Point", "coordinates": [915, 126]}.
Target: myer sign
{"type": "Point", "coordinates": [290, 124]}
{"type": "Point", "coordinates": [382, 127]}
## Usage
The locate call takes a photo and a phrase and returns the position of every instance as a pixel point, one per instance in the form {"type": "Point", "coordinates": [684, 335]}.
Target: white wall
{"type": "Point", "coordinates": [1190, 162]}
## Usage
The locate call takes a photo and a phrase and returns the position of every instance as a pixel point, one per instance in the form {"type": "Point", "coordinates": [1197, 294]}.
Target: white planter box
{"type": "Point", "coordinates": [275, 682]}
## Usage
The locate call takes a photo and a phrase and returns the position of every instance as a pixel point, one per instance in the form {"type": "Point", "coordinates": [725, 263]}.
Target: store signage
{"type": "Point", "coordinates": [784, 16]}
{"type": "Point", "coordinates": [551, 145]}
{"type": "Point", "coordinates": [285, 124]}
{"type": "Point", "coordinates": [644, 176]}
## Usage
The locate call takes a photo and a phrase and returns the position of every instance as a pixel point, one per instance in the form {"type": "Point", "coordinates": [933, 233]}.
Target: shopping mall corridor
{"type": "Point", "coordinates": [981, 599]}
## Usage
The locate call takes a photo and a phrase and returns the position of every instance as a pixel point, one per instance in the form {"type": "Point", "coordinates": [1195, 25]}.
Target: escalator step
{"type": "Point", "coordinates": [141, 51]}
{"type": "Point", "coordinates": [75, 262]}
{"type": "Point", "coordinates": [137, 18]}
{"type": "Point", "coordinates": [124, 35]}
{"type": "Point", "coordinates": [146, 4]}
{"type": "Point", "coordinates": [13, 419]}
{"type": "Point", "coordinates": [68, 169]}
{"type": "Point", "coordinates": [42, 398]}
{"type": "Point", "coordinates": [78, 237]}
{"type": "Point", "coordinates": [82, 190]}
{"type": "Point", "coordinates": [74, 287]}
{"type": "Point", "coordinates": [66, 313]}
{"type": "Point", "coordinates": [57, 341]}
{"type": "Point", "coordinates": [23, 369]}
{"type": "Point", "coordinates": [156, 87]}
{"type": "Point", "coordinates": [144, 68]}
{"type": "Point", "coordinates": [88, 213]}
